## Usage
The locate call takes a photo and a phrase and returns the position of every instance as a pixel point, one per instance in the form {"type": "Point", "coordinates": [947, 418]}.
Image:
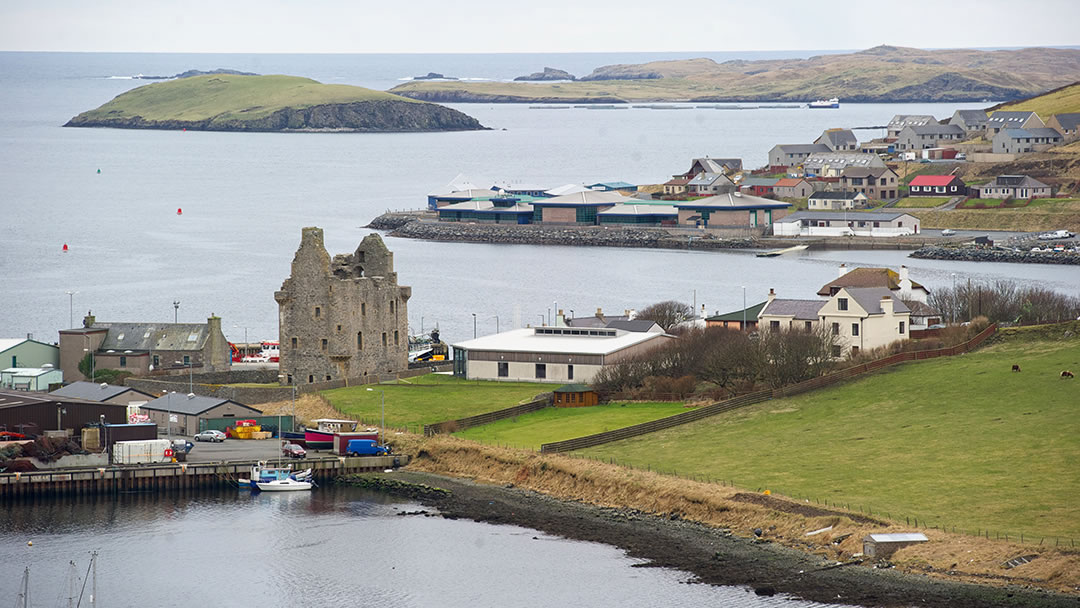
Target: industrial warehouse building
{"type": "Point", "coordinates": [27, 353]}
{"type": "Point", "coordinates": [103, 393]}
{"type": "Point", "coordinates": [551, 354]}
{"type": "Point", "coordinates": [33, 414]}
{"type": "Point", "coordinates": [181, 413]}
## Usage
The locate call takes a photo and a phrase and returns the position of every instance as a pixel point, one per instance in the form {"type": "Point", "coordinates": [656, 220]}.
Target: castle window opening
{"type": "Point", "coordinates": [395, 337]}
{"type": "Point", "coordinates": [294, 341]}
{"type": "Point", "coordinates": [339, 328]}
{"type": "Point", "coordinates": [324, 342]}
{"type": "Point", "coordinates": [310, 379]}
{"type": "Point", "coordinates": [359, 340]}
{"type": "Point", "coordinates": [363, 308]}
{"type": "Point", "coordinates": [391, 306]}
{"type": "Point", "coordinates": [384, 338]}
{"type": "Point", "coordinates": [318, 312]}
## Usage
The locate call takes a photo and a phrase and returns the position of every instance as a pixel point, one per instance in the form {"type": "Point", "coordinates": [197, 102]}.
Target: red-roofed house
{"type": "Point", "coordinates": [676, 185]}
{"type": "Point", "coordinates": [793, 187]}
{"type": "Point", "coordinates": [937, 185]}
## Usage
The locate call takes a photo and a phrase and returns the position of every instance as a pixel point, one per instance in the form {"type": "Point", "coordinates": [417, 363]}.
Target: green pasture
{"type": "Point", "coordinates": [962, 442]}
{"type": "Point", "coordinates": [916, 202]}
{"type": "Point", "coordinates": [557, 424]}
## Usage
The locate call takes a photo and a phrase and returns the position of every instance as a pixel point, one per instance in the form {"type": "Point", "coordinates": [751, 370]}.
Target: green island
{"type": "Point", "coordinates": [879, 74]}
{"type": "Point", "coordinates": [231, 102]}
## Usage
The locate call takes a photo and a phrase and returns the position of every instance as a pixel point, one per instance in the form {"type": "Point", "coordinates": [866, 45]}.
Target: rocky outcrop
{"type": "Point", "coordinates": [190, 73]}
{"type": "Point", "coordinates": [360, 116]}
{"type": "Point", "coordinates": [584, 236]}
{"type": "Point", "coordinates": [981, 254]}
{"type": "Point", "coordinates": [547, 74]}
{"type": "Point", "coordinates": [434, 76]}
{"type": "Point", "coordinates": [462, 96]}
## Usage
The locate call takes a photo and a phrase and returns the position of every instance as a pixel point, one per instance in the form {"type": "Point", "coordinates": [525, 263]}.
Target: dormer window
{"type": "Point", "coordinates": [842, 303]}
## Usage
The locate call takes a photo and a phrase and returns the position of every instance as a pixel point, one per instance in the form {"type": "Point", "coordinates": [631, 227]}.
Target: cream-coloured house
{"type": "Point", "coordinates": [860, 317]}
{"type": "Point", "coordinates": [865, 318]}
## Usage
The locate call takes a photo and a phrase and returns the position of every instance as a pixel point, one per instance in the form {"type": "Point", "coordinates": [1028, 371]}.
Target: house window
{"type": "Point", "coordinates": [318, 312]}
{"type": "Point", "coordinates": [157, 361]}
{"type": "Point", "coordinates": [359, 340]}
{"type": "Point", "coordinates": [836, 350]}
{"type": "Point", "coordinates": [384, 339]}
{"type": "Point", "coordinates": [901, 327]}
{"type": "Point", "coordinates": [395, 337]}
{"type": "Point", "coordinates": [541, 370]}
{"type": "Point", "coordinates": [504, 369]}
{"type": "Point", "coordinates": [123, 361]}
{"type": "Point", "coordinates": [854, 329]}
{"type": "Point", "coordinates": [569, 372]}
{"type": "Point", "coordinates": [774, 325]}
{"type": "Point", "coordinates": [187, 359]}
{"type": "Point", "coordinates": [294, 342]}
{"type": "Point", "coordinates": [841, 303]}
{"type": "Point", "coordinates": [836, 329]}
{"type": "Point", "coordinates": [324, 343]}
{"type": "Point", "coordinates": [809, 325]}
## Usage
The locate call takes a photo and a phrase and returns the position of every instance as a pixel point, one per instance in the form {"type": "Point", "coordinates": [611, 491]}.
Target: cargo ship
{"type": "Point", "coordinates": [824, 103]}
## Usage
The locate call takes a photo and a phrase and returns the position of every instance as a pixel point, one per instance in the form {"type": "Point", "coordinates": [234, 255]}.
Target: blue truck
{"type": "Point", "coordinates": [366, 447]}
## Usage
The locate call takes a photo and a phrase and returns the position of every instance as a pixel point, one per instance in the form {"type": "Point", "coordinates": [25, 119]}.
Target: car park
{"type": "Point", "coordinates": [213, 436]}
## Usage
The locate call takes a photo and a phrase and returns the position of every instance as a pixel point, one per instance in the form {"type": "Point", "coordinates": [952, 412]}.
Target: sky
{"type": "Point", "coordinates": [505, 26]}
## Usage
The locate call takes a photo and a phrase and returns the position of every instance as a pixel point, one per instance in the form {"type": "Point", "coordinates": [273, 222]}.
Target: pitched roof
{"type": "Point", "coordinates": [933, 180]}
{"type": "Point", "coordinates": [589, 197]}
{"type": "Point", "coordinates": [1016, 181]}
{"type": "Point", "coordinates": [971, 117]}
{"type": "Point", "coordinates": [1070, 121]}
{"type": "Point", "coordinates": [573, 388]}
{"type": "Point", "coordinates": [802, 148]}
{"type": "Point", "coordinates": [559, 340]}
{"type": "Point", "coordinates": [677, 181]}
{"type": "Point", "coordinates": [1010, 116]}
{"type": "Point", "coordinates": [842, 160]}
{"type": "Point", "coordinates": [840, 137]}
{"type": "Point", "coordinates": [732, 201]}
{"type": "Point", "coordinates": [192, 405]}
{"type": "Point", "coordinates": [869, 298]}
{"type": "Point", "coordinates": [613, 185]}
{"type": "Point", "coordinates": [865, 171]}
{"type": "Point", "coordinates": [486, 206]}
{"type": "Point", "coordinates": [6, 343]}
{"type": "Point", "coordinates": [758, 181]}
{"type": "Point", "coordinates": [788, 182]}
{"type": "Point", "coordinates": [640, 209]}
{"type": "Point", "coordinates": [936, 129]}
{"type": "Point", "coordinates": [907, 120]}
{"type": "Point", "coordinates": [638, 325]}
{"type": "Point", "coordinates": [1036, 132]}
{"type": "Point", "coordinates": [718, 165]}
{"type": "Point", "coordinates": [847, 195]}
{"type": "Point", "coordinates": [803, 310]}
{"type": "Point", "coordinates": [867, 277]}
{"type": "Point", "coordinates": [872, 216]}
{"type": "Point", "coordinates": [92, 391]}
{"type": "Point", "coordinates": [751, 313]}
{"type": "Point", "coordinates": [566, 189]}
{"type": "Point", "coordinates": [708, 179]}
{"type": "Point", "coordinates": [11, 399]}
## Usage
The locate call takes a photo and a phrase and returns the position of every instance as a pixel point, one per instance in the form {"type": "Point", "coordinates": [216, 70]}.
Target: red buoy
{"type": "Point", "coordinates": [65, 247]}
{"type": "Point", "coordinates": [179, 211]}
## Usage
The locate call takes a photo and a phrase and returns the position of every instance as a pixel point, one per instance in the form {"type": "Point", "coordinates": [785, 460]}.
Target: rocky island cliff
{"type": "Point", "coordinates": [228, 102]}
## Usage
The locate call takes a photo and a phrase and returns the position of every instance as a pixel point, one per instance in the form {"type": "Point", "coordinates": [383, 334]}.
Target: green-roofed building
{"type": "Point", "coordinates": [734, 320]}
{"type": "Point", "coordinates": [575, 395]}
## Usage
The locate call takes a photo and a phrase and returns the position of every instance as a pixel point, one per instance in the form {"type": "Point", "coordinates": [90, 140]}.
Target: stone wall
{"type": "Point", "coordinates": [980, 254]}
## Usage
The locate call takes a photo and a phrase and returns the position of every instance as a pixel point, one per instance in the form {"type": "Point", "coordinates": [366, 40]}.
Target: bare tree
{"type": "Point", "coordinates": [666, 314]}
{"type": "Point", "coordinates": [794, 355]}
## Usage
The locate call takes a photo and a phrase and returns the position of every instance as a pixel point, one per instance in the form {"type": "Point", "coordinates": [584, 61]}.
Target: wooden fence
{"type": "Point", "coordinates": [763, 395]}
{"type": "Point", "coordinates": [450, 426]}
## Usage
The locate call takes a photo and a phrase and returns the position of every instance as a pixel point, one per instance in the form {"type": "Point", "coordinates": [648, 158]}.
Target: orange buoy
{"type": "Point", "coordinates": [179, 211]}
{"type": "Point", "coordinates": [65, 247]}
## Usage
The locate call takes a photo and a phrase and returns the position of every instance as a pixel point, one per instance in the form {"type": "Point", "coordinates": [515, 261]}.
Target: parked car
{"type": "Point", "coordinates": [366, 447]}
{"type": "Point", "coordinates": [948, 232]}
{"type": "Point", "coordinates": [293, 450]}
{"type": "Point", "coordinates": [214, 436]}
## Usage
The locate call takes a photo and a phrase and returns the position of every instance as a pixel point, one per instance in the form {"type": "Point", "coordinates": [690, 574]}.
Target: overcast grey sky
{"type": "Point", "coordinates": [498, 26]}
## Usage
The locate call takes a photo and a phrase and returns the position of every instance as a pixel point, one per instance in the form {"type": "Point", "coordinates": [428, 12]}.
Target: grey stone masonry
{"type": "Point", "coordinates": [343, 318]}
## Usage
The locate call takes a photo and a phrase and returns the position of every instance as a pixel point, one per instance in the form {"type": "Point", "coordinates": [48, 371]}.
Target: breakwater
{"type": "Point", "coordinates": [978, 254]}
{"type": "Point", "coordinates": [401, 225]}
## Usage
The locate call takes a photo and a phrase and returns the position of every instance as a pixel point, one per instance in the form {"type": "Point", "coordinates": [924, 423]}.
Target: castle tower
{"type": "Point", "coordinates": [342, 318]}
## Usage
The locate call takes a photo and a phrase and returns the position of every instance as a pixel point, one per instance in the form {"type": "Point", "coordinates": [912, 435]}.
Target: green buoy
{"type": "Point", "coordinates": [99, 171]}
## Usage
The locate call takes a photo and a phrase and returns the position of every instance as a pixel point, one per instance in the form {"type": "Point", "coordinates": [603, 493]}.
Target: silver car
{"type": "Point", "coordinates": [214, 436]}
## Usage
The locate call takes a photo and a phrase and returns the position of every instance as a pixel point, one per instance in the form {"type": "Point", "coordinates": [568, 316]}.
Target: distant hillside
{"type": "Point", "coordinates": [880, 74]}
{"type": "Point", "coordinates": [228, 102]}
{"type": "Point", "coordinates": [1062, 100]}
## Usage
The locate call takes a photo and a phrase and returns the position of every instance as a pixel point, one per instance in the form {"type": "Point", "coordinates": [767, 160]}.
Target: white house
{"type": "Point", "coordinates": [855, 223]}
{"type": "Point", "coordinates": [35, 379]}
{"type": "Point", "coordinates": [551, 354]}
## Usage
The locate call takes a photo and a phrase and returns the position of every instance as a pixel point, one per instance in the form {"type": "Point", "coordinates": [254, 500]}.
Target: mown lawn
{"type": "Point", "coordinates": [961, 441]}
{"type": "Point", "coordinates": [557, 424]}
{"type": "Point", "coordinates": [431, 398]}
{"type": "Point", "coordinates": [915, 202]}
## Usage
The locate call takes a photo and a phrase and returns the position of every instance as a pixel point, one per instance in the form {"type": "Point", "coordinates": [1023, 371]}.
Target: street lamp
{"type": "Point", "coordinates": [245, 328]}
{"type": "Point", "coordinates": [473, 328]}
{"type": "Point", "coordinates": [382, 425]}
{"type": "Point", "coordinates": [168, 421]}
{"type": "Point", "coordinates": [71, 308]}
{"type": "Point", "coordinates": [744, 307]}
{"type": "Point", "coordinates": [88, 350]}
{"type": "Point", "coordinates": [292, 381]}
{"type": "Point", "coordinates": [190, 363]}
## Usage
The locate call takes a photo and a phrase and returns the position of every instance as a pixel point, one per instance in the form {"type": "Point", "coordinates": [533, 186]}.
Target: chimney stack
{"type": "Point", "coordinates": [599, 313]}
{"type": "Point", "coordinates": [772, 295]}
{"type": "Point", "coordinates": [887, 305]}
{"type": "Point", "coordinates": [843, 270]}
{"type": "Point", "coordinates": [88, 320]}
{"type": "Point", "coordinates": [905, 281]}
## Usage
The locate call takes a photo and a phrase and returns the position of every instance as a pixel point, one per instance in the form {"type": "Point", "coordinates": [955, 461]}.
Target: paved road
{"type": "Point", "coordinates": [234, 449]}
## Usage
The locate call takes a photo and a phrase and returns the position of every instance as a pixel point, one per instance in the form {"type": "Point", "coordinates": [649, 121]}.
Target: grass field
{"type": "Point", "coordinates": [431, 398]}
{"type": "Point", "coordinates": [557, 424]}
{"type": "Point", "coordinates": [228, 96]}
{"type": "Point", "coordinates": [960, 441]}
{"type": "Point", "coordinates": [1059, 101]}
{"type": "Point", "coordinates": [1041, 214]}
{"type": "Point", "coordinates": [916, 202]}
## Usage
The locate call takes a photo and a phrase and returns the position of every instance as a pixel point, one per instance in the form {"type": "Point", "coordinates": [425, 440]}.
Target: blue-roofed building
{"type": "Point", "coordinates": [495, 210]}
{"type": "Point", "coordinates": [578, 208]}
{"type": "Point", "coordinates": [639, 213]}
{"type": "Point", "coordinates": [731, 210]}
{"type": "Point", "coordinates": [609, 186]}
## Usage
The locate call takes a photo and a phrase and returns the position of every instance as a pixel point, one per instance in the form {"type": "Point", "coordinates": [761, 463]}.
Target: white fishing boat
{"type": "Point", "coordinates": [262, 472]}
{"type": "Point", "coordinates": [289, 484]}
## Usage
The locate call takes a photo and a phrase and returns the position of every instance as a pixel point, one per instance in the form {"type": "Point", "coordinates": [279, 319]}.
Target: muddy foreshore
{"type": "Point", "coordinates": [713, 555]}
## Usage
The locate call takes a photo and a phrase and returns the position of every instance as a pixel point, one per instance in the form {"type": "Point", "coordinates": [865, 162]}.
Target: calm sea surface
{"type": "Point", "coordinates": [246, 196]}
{"type": "Point", "coordinates": [330, 547]}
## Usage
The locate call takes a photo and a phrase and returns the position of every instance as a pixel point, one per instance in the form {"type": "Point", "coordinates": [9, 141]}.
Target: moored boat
{"type": "Point", "coordinates": [824, 103]}
{"type": "Point", "coordinates": [289, 484]}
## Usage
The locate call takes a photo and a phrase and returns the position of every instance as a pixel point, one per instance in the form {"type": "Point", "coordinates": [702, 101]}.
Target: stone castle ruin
{"type": "Point", "coordinates": [345, 318]}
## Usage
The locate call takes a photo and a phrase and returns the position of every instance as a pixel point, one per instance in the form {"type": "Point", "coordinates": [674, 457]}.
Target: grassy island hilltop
{"type": "Point", "coordinates": [880, 74]}
{"type": "Point", "coordinates": [228, 102]}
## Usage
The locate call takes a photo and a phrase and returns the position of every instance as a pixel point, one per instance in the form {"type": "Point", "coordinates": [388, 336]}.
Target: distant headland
{"type": "Point", "coordinates": [235, 102]}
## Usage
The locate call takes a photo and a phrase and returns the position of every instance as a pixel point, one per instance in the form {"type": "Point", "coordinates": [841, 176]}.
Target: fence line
{"type": "Point", "coordinates": [450, 426]}
{"type": "Point", "coordinates": [763, 395]}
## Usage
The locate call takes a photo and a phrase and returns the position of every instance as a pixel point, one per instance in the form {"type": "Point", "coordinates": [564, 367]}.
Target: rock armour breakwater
{"type": "Point", "coordinates": [589, 236]}
{"type": "Point", "coordinates": [974, 254]}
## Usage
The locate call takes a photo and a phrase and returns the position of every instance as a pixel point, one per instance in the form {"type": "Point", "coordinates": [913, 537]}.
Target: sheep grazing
{"type": "Point", "coordinates": [1066, 374]}
{"type": "Point", "coordinates": [1016, 368]}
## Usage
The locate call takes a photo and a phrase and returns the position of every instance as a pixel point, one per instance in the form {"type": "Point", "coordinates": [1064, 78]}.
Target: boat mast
{"type": "Point", "coordinates": [23, 599]}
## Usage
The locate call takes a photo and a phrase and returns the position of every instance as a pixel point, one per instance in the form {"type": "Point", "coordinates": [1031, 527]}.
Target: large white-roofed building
{"type": "Point", "coordinates": [551, 354]}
